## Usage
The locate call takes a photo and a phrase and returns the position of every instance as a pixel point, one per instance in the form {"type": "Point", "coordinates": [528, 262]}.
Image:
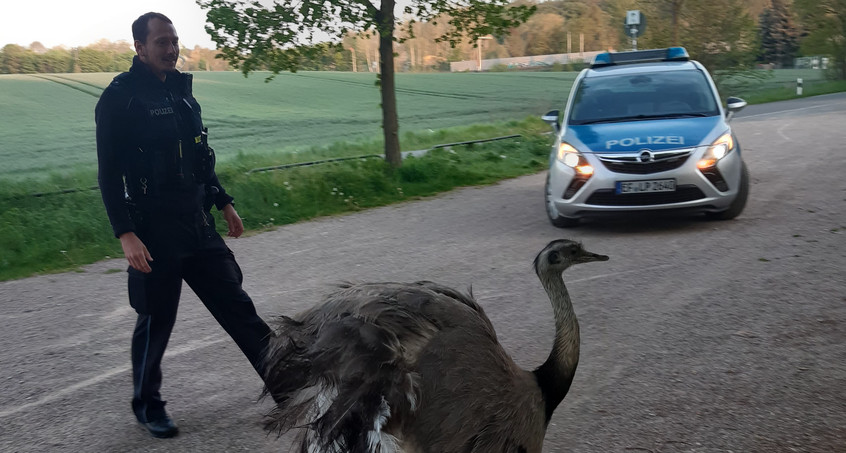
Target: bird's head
{"type": "Point", "coordinates": [561, 254]}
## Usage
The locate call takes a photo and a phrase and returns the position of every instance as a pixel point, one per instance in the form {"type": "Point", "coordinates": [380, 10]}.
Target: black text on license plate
{"type": "Point", "coordinates": [657, 185]}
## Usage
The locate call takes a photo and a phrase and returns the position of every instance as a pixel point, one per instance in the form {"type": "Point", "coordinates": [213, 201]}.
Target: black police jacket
{"type": "Point", "coordinates": [151, 148]}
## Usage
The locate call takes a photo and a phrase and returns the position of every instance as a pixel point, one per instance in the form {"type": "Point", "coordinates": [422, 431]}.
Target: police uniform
{"type": "Point", "coordinates": [156, 176]}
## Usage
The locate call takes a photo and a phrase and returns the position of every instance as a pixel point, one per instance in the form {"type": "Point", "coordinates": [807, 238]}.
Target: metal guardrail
{"type": "Point", "coordinates": [471, 142]}
{"type": "Point", "coordinates": [308, 164]}
{"type": "Point", "coordinates": [405, 154]}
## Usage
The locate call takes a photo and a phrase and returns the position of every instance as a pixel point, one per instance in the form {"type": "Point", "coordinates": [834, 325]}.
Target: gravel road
{"type": "Point", "coordinates": [697, 336]}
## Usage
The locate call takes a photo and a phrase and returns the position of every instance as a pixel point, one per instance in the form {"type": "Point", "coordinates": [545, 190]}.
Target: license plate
{"type": "Point", "coordinates": [656, 185]}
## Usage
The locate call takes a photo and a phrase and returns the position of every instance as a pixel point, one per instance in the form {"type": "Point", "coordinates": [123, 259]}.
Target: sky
{"type": "Point", "coordinates": [82, 22]}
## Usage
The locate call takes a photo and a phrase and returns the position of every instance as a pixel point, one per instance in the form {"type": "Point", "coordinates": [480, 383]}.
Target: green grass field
{"type": "Point", "coordinates": [47, 121]}
{"type": "Point", "coordinates": [47, 145]}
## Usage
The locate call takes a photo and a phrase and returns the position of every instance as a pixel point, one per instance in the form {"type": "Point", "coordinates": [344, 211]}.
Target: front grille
{"type": "Point", "coordinates": [632, 163]}
{"type": "Point", "coordinates": [608, 197]}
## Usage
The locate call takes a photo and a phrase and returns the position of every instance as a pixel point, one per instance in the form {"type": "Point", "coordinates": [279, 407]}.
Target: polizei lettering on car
{"type": "Point", "coordinates": [649, 140]}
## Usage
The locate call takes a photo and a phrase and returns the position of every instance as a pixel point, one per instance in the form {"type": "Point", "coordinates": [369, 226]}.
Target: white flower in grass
{"type": "Point", "coordinates": [275, 205]}
{"type": "Point", "coordinates": [503, 156]}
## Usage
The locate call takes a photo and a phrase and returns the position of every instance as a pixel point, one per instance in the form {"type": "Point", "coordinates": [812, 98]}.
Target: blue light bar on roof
{"type": "Point", "coordinates": [677, 54]}
{"type": "Point", "coordinates": [603, 58]}
{"type": "Point", "coordinates": [640, 56]}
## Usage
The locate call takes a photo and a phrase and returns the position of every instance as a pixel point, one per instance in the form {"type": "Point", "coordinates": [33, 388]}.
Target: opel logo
{"type": "Point", "coordinates": [645, 156]}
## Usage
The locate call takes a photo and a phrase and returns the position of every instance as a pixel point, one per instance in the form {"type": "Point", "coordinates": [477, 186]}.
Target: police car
{"type": "Point", "coordinates": [644, 131]}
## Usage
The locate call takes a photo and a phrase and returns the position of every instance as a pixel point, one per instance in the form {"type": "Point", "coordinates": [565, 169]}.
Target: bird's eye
{"type": "Point", "coordinates": [553, 257]}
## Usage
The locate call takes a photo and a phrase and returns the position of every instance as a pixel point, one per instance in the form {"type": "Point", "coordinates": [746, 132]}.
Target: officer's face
{"type": "Point", "coordinates": [161, 51]}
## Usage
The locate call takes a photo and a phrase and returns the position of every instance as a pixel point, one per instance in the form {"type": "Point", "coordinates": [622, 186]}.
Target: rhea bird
{"type": "Point", "coordinates": [417, 368]}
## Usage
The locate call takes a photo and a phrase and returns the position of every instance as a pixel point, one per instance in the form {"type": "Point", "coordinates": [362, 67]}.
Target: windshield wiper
{"type": "Point", "coordinates": [661, 116]}
{"type": "Point", "coordinates": [598, 120]}
{"type": "Point", "coordinates": [621, 119]}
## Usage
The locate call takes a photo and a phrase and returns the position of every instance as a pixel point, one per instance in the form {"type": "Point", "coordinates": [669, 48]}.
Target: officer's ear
{"type": "Point", "coordinates": [139, 49]}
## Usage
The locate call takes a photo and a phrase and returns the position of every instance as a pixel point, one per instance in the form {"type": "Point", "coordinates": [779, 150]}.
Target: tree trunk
{"type": "Point", "coordinates": [676, 7]}
{"type": "Point", "coordinates": [390, 122]}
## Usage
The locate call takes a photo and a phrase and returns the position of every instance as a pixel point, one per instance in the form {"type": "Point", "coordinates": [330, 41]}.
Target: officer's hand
{"type": "Point", "coordinates": [136, 252]}
{"type": "Point", "coordinates": [236, 226]}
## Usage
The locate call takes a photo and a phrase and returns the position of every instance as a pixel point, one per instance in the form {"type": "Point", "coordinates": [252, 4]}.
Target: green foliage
{"type": "Point", "coordinates": [59, 232]}
{"type": "Point", "coordinates": [101, 57]}
{"type": "Point", "coordinates": [825, 24]}
{"type": "Point", "coordinates": [721, 34]}
{"type": "Point", "coordinates": [280, 37]}
{"type": "Point", "coordinates": [40, 234]}
{"type": "Point", "coordinates": [779, 35]}
{"type": "Point", "coordinates": [788, 91]}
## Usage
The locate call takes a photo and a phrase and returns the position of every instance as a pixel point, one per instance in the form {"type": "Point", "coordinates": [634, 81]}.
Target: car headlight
{"type": "Point", "coordinates": [719, 149]}
{"type": "Point", "coordinates": [571, 157]}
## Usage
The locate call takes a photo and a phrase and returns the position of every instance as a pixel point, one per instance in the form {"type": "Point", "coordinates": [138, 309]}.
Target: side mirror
{"type": "Point", "coordinates": [551, 118]}
{"type": "Point", "coordinates": [734, 105]}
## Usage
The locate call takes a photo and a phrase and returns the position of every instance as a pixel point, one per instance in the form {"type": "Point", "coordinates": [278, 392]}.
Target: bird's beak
{"type": "Point", "coordinates": [587, 257]}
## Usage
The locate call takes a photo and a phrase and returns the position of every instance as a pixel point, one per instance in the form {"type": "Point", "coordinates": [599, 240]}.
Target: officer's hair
{"type": "Point", "coordinates": [141, 28]}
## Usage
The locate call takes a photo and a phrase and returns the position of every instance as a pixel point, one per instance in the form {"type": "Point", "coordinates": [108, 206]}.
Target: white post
{"type": "Point", "coordinates": [479, 45]}
{"type": "Point", "coordinates": [799, 86]}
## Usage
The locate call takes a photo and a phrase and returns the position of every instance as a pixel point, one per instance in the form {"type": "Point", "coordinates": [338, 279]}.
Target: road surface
{"type": "Point", "coordinates": [697, 336]}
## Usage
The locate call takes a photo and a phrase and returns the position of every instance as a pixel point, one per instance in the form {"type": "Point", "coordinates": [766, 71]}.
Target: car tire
{"type": "Point", "coordinates": [555, 217]}
{"type": "Point", "coordinates": [739, 202]}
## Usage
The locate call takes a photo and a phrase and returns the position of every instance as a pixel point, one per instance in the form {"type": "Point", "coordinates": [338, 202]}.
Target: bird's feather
{"type": "Point", "coordinates": [417, 368]}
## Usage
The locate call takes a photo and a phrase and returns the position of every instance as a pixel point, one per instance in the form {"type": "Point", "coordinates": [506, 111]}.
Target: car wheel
{"type": "Point", "coordinates": [739, 201]}
{"type": "Point", "coordinates": [555, 217]}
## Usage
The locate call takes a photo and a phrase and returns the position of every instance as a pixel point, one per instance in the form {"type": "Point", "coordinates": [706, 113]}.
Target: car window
{"type": "Point", "coordinates": [625, 97]}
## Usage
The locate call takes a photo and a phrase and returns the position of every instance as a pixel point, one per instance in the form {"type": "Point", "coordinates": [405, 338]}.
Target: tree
{"type": "Point", "coordinates": [779, 35]}
{"type": "Point", "coordinates": [545, 34]}
{"type": "Point", "coordinates": [15, 59]}
{"type": "Point", "coordinates": [825, 23]}
{"type": "Point", "coordinates": [279, 37]}
{"type": "Point", "coordinates": [92, 60]}
{"type": "Point", "coordinates": [720, 34]}
{"type": "Point", "coordinates": [37, 47]}
{"type": "Point", "coordinates": [56, 60]}
{"type": "Point", "coordinates": [594, 24]}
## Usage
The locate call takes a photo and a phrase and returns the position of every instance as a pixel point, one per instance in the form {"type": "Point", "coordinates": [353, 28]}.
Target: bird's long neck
{"type": "Point", "coordinates": [556, 374]}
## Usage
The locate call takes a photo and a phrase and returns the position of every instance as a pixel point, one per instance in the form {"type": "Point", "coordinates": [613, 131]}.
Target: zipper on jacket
{"type": "Point", "coordinates": [179, 173]}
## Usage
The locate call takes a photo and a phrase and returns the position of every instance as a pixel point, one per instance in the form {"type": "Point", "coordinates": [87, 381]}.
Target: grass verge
{"type": "Point", "coordinates": [789, 92]}
{"type": "Point", "coordinates": [63, 231]}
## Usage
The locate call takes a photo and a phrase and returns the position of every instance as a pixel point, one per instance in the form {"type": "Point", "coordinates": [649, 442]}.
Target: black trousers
{"type": "Point", "coordinates": [185, 247]}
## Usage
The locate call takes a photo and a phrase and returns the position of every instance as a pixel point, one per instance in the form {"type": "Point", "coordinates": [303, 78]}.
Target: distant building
{"type": "Point", "coordinates": [522, 62]}
{"type": "Point", "coordinates": [815, 62]}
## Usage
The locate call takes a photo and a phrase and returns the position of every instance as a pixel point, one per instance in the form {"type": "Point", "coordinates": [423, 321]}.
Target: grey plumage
{"type": "Point", "coordinates": [416, 367]}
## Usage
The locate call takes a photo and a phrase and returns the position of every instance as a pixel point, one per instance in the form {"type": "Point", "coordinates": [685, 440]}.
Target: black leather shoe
{"type": "Point", "coordinates": [162, 428]}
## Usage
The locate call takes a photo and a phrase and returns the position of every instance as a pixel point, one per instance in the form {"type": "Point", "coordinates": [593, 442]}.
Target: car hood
{"type": "Point", "coordinates": [655, 135]}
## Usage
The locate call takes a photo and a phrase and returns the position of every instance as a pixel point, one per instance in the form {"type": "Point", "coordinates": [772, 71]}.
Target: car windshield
{"type": "Point", "coordinates": [643, 96]}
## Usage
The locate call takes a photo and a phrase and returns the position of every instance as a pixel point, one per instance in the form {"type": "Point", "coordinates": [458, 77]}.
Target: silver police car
{"type": "Point", "coordinates": [644, 131]}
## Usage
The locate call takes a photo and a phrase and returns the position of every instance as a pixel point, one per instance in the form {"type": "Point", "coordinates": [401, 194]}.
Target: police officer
{"type": "Point", "coordinates": [156, 175]}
